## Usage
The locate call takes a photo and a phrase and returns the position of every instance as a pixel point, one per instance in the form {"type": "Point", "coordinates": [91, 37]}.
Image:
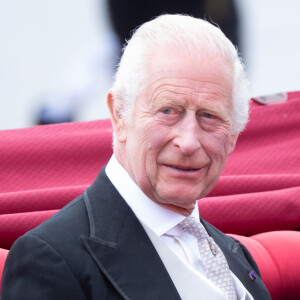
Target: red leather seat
{"type": "Point", "coordinates": [277, 255]}
{"type": "Point", "coordinates": [3, 255]}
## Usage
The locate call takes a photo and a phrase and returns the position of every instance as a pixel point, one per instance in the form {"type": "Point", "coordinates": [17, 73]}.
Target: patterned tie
{"type": "Point", "coordinates": [214, 261]}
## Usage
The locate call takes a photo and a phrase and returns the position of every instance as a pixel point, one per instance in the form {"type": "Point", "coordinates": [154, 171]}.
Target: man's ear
{"type": "Point", "coordinates": [116, 119]}
{"type": "Point", "coordinates": [232, 142]}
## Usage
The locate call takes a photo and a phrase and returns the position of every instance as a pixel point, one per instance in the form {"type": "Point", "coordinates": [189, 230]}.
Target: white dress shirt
{"type": "Point", "coordinates": [163, 222]}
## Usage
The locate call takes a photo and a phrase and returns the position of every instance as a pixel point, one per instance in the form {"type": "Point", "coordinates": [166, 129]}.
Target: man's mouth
{"type": "Point", "coordinates": [185, 169]}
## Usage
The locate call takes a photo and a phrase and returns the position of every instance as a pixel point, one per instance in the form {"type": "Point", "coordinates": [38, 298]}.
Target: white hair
{"type": "Point", "coordinates": [190, 35]}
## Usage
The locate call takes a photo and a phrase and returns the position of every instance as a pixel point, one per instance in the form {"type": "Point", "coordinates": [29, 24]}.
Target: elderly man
{"type": "Point", "coordinates": [177, 106]}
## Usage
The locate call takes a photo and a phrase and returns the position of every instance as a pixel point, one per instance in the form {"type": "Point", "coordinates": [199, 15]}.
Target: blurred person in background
{"type": "Point", "coordinates": [128, 15]}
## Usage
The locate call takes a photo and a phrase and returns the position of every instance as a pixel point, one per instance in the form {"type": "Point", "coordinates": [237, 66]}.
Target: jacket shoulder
{"type": "Point", "coordinates": [71, 221]}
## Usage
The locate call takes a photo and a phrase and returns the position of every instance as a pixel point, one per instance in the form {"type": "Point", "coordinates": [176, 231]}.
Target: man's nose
{"type": "Point", "coordinates": [188, 137]}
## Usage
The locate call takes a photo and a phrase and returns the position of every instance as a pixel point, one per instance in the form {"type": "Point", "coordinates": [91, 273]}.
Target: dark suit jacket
{"type": "Point", "coordinates": [95, 248]}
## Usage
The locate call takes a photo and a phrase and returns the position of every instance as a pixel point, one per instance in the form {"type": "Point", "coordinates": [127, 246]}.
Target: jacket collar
{"type": "Point", "coordinates": [120, 246]}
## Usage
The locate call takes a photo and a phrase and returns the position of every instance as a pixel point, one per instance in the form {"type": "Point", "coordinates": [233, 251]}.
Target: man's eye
{"type": "Point", "coordinates": [208, 116]}
{"type": "Point", "coordinates": [167, 111]}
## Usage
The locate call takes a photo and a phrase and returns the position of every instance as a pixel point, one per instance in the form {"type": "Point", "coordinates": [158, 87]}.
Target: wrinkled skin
{"type": "Point", "coordinates": [177, 144]}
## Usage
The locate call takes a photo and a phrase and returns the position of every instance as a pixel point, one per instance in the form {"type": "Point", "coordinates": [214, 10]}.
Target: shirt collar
{"type": "Point", "coordinates": [159, 219]}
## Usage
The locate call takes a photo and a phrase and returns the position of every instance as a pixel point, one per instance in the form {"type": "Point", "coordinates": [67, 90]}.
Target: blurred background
{"type": "Point", "coordinates": [57, 58]}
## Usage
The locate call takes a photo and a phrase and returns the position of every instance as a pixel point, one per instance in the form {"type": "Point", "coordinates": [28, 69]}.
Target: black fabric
{"type": "Point", "coordinates": [95, 248]}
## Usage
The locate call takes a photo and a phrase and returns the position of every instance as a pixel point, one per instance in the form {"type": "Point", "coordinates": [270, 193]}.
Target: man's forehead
{"type": "Point", "coordinates": [182, 90]}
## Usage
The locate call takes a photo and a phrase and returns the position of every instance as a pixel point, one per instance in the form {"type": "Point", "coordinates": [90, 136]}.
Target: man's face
{"type": "Point", "coordinates": [179, 138]}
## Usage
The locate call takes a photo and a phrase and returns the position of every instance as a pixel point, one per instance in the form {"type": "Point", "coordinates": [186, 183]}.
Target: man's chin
{"type": "Point", "coordinates": [185, 210]}
{"type": "Point", "coordinates": [184, 200]}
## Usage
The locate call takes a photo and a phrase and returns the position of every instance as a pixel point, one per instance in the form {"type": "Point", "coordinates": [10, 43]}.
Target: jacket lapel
{"type": "Point", "coordinates": [120, 246]}
{"type": "Point", "coordinates": [239, 261]}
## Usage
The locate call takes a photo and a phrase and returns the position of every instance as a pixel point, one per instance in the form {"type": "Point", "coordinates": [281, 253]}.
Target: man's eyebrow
{"type": "Point", "coordinates": [166, 101]}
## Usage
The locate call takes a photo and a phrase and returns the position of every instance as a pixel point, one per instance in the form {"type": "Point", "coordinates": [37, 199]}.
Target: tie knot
{"type": "Point", "coordinates": [194, 227]}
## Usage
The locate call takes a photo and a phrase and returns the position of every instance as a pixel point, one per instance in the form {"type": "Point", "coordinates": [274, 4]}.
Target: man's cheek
{"type": "Point", "coordinates": [216, 145]}
{"type": "Point", "coordinates": [157, 138]}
